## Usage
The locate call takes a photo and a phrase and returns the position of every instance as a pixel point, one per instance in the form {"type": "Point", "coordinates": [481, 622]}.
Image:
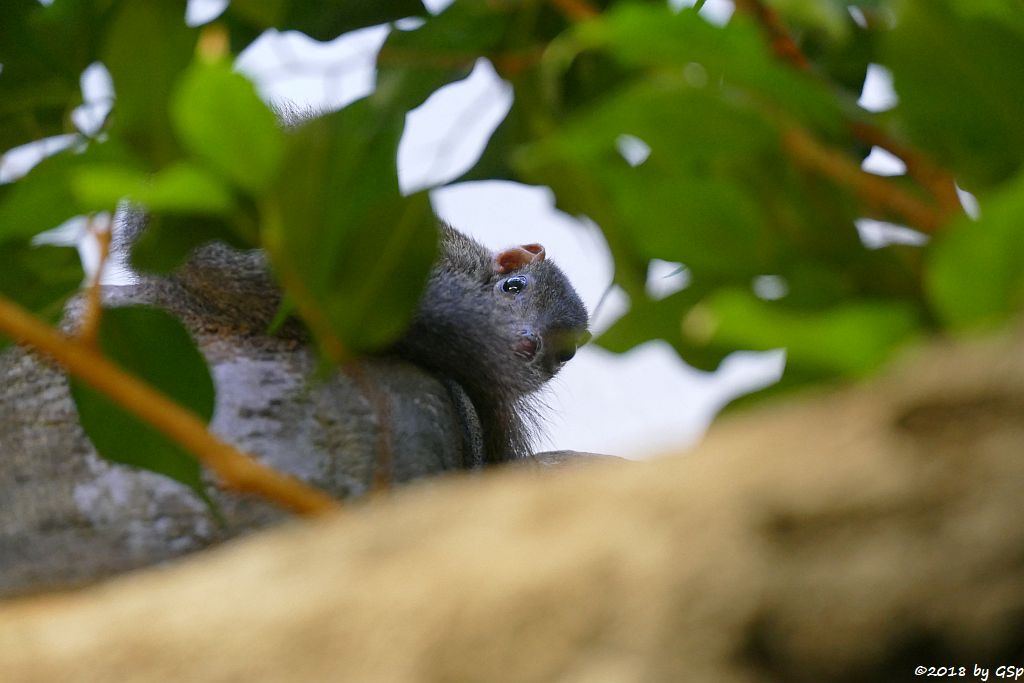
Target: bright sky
{"type": "Point", "coordinates": [636, 404]}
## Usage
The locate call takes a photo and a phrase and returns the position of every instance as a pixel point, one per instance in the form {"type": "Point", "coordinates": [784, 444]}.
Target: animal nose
{"type": "Point", "coordinates": [528, 345]}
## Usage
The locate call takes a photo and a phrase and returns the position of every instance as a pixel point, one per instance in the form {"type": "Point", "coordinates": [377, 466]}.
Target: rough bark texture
{"type": "Point", "coordinates": [848, 536]}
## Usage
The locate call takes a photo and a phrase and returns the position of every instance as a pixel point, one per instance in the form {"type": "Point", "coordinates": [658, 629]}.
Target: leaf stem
{"type": "Point", "coordinates": [237, 471]}
{"type": "Point", "coordinates": [89, 329]}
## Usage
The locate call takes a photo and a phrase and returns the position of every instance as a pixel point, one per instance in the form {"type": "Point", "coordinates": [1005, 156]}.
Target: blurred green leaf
{"type": "Point", "coordinates": [1005, 12]}
{"type": "Point", "coordinates": [852, 338]}
{"type": "Point", "coordinates": [40, 200]}
{"type": "Point", "coordinates": [153, 33]}
{"type": "Point", "coordinates": [43, 198]}
{"type": "Point", "coordinates": [346, 245]}
{"type": "Point", "coordinates": [219, 118]}
{"type": "Point", "coordinates": [179, 188]}
{"type": "Point", "coordinates": [964, 105]}
{"type": "Point", "coordinates": [734, 55]}
{"type": "Point", "coordinates": [170, 238]}
{"type": "Point", "coordinates": [39, 278]}
{"type": "Point", "coordinates": [663, 319]}
{"type": "Point", "coordinates": [975, 273]}
{"type": "Point", "coordinates": [319, 19]}
{"type": "Point", "coordinates": [44, 50]}
{"type": "Point", "coordinates": [414, 64]}
{"type": "Point", "coordinates": [827, 16]}
{"type": "Point", "coordinates": [154, 346]}
{"type": "Point", "coordinates": [844, 61]}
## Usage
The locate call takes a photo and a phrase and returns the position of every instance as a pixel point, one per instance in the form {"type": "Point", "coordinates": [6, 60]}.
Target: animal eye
{"type": "Point", "coordinates": [514, 285]}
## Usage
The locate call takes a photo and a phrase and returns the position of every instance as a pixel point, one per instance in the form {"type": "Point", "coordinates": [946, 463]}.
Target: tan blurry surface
{"type": "Point", "coordinates": [840, 536]}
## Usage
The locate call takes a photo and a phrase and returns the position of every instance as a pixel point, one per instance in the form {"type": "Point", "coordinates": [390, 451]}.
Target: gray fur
{"type": "Point", "coordinates": [469, 331]}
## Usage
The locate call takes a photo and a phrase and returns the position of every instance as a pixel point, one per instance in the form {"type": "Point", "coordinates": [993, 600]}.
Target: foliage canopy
{"type": "Point", "coordinates": [754, 137]}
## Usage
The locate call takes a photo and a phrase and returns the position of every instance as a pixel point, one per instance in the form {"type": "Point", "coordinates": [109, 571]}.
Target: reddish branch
{"type": "Point", "coordinates": [508, 64]}
{"type": "Point", "coordinates": [782, 44]}
{"type": "Point", "coordinates": [876, 192]}
{"type": "Point", "coordinates": [936, 180]}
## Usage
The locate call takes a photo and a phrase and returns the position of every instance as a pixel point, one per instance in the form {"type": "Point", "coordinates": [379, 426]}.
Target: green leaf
{"type": "Point", "coordinates": [39, 278]}
{"type": "Point", "coordinates": [965, 105]}
{"type": "Point", "coordinates": [852, 338]}
{"type": "Point", "coordinates": [219, 118]}
{"type": "Point", "coordinates": [842, 60]}
{"type": "Point", "coordinates": [734, 55]}
{"type": "Point", "coordinates": [663, 319]}
{"type": "Point", "coordinates": [319, 19]}
{"type": "Point", "coordinates": [414, 64]}
{"type": "Point", "coordinates": [705, 323]}
{"type": "Point", "coordinates": [710, 225]}
{"type": "Point", "coordinates": [186, 188]}
{"type": "Point", "coordinates": [147, 48]}
{"type": "Point", "coordinates": [154, 346]}
{"type": "Point", "coordinates": [829, 16]}
{"type": "Point", "coordinates": [44, 198]}
{"type": "Point", "coordinates": [40, 200]}
{"type": "Point", "coordinates": [168, 240]}
{"type": "Point", "coordinates": [975, 275]}
{"type": "Point", "coordinates": [179, 188]}
{"type": "Point", "coordinates": [44, 50]}
{"type": "Point", "coordinates": [350, 250]}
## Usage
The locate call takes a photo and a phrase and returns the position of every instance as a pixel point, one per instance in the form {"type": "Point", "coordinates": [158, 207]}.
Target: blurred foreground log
{"type": "Point", "coordinates": [849, 536]}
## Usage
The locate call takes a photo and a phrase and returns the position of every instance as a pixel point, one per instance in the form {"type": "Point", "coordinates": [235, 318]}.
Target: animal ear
{"type": "Point", "coordinates": [515, 258]}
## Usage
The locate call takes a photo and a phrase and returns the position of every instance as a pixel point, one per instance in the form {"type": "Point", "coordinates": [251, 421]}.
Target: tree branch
{"type": "Point", "coordinates": [90, 326]}
{"type": "Point", "coordinates": [874, 191]}
{"type": "Point", "coordinates": [236, 470]}
{"type": "Point", "coordinates": [782, 44]}
{"type": "Point", "coordinates": [935, 179]}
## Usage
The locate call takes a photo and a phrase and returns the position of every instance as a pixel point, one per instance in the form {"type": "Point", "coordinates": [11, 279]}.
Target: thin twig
{"type": "Point", "coordinates": [384, 465]}
{"type": "Point", "coordinates": [89, 329]}
{"type": "Point", "coordinates": [782, 44]}
{"type": "Point", "coordinates": [938, 181]}
{"type": "Point", "coordinates": [236, 470]}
